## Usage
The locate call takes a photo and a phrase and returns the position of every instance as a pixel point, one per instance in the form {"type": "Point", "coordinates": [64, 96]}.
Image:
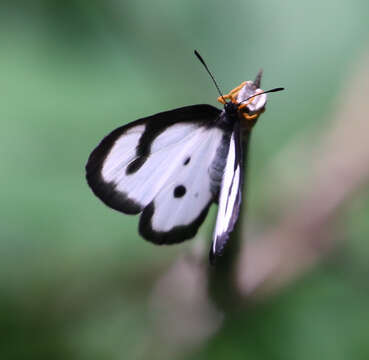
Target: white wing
{"type": "Point", "coordinates": [163, 171]}
{"type": "Point", "coordinates": [230, 195]}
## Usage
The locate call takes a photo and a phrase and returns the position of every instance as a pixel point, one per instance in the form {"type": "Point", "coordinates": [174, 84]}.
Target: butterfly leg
{"type": "Point", "coordinates": [250, 117]}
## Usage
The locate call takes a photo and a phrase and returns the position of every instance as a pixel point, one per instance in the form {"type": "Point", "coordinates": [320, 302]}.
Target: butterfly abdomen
{"type": "Point", "coordinates": [216, 169]}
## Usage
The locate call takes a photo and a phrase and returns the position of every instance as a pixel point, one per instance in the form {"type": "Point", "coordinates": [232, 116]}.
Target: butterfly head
{"type": "Point", "coordinates": [245, 99]}
{"type": "Point", "coordinates": [231, 108]}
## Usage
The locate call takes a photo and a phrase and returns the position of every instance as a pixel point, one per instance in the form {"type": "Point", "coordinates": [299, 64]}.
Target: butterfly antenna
{"type": "Point", "coordinates": [211, 75]}
{"type": "Point", "coordinates": [264, 92]}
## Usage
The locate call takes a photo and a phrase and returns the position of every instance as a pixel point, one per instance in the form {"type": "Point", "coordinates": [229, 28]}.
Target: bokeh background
{"type": "Point", "coordinates": [76, 280]}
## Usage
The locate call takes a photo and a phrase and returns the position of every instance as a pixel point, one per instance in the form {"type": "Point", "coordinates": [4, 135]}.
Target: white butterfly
{"type": "Point", "coordinates": [172, 166]}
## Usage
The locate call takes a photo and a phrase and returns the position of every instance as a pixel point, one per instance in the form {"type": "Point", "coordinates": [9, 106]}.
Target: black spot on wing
{"type": "Point", "coordinates": [187, 161]}
{"type": "Point", "coordinates": [179, 191]}
{"type": "Point", "coordinates": [177, 234]}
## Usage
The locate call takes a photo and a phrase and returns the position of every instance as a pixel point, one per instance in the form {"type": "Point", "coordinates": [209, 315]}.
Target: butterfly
{"type": "Point", "coordinates": [172, 166]}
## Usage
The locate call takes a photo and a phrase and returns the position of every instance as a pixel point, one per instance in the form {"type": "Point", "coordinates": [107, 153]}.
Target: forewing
{"type": "Point", "coordinates": [159, 165]}
{"type": "Point", "coordinates": [230, 194]}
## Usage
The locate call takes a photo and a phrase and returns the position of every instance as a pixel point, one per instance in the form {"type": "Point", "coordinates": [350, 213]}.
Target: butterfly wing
{"type": "Point", "coordinates": [230, 194]}
{"type": "Point", "coordinates": [161, 166]}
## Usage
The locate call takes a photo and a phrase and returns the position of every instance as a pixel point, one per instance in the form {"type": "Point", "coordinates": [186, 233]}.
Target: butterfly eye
{"type": "Point", "coordinates": [230, 107]}
{"type": "Point", "coordinates": [179, 191]}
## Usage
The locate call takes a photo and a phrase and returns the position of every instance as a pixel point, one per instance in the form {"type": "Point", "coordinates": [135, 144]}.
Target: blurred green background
{"type": "Point", "coordinates": [75, 277]}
